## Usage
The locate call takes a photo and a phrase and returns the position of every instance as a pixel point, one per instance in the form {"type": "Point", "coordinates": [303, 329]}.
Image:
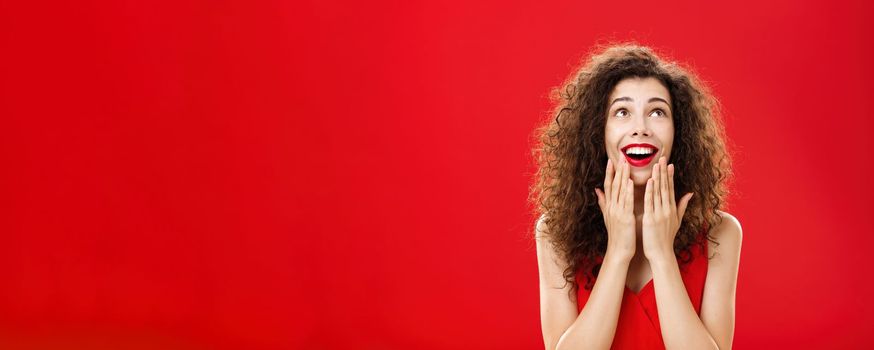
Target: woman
{"type": "Point", "coordinates": [648, 261]}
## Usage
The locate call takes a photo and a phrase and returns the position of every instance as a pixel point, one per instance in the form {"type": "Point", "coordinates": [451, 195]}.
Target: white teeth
{"type": "Point", "coordinates": [639, 150]}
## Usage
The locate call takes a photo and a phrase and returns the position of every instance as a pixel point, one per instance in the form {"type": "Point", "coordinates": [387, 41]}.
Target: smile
{"type": "Point", "coordinates": [639, 154]}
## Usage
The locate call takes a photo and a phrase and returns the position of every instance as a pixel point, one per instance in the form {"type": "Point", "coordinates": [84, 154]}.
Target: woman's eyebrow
{"type": "Point", "coordinates": [654, 99]}
{"type": "Point", "coordinates": [629, 99]}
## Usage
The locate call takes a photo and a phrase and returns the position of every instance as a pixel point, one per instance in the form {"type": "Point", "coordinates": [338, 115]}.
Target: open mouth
{"type": "Point", "coordinates": [639, 154]}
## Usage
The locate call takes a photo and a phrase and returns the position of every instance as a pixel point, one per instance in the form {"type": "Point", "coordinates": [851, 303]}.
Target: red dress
{"type": "Point", "coordinates": [638, 324]}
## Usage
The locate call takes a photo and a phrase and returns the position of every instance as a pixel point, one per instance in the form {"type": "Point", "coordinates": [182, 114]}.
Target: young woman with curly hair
{"type": "Point", "coordinates": [640, 263]}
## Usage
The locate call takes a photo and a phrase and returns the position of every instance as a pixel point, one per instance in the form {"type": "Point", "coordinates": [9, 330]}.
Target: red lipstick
{"type": "Point", "coordinates": [642, 162]}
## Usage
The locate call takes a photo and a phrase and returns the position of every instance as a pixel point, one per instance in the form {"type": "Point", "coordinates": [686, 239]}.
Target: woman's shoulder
{"type": "Point", "coordinates": [728, 234]}
{"type": "Point", "coordinates": [730, 225]}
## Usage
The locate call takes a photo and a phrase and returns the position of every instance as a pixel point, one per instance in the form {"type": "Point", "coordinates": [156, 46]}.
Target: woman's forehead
{"type": "Point", "coordinates": [639, 89]}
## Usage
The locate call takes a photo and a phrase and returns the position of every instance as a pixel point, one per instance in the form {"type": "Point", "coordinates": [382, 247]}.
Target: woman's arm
{"type": "Point", "coordinates": [717, 305]}
{"type": "Point", "coordinates": [595, 326]}
{"type": "Point", "coordinates": [680, 325]}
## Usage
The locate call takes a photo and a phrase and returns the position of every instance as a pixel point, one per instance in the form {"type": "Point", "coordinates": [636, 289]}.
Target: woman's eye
{"type": "Point", "coordinates": [658, 113]}
{"type": "Point", "coordinates": [621, 113]}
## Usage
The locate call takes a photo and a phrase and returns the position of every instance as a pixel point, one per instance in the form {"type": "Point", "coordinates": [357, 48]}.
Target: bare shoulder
{"type": "Point", "coordinates": [550, 261]}
{"type": "Point", "coordinates": [728, 234]}
{"type": "Point", "coordinates": [718, 302]}
{"type": "Point", "coordinates": [540, 227]}
{"type": "Point", "coordinates": [558, 307]}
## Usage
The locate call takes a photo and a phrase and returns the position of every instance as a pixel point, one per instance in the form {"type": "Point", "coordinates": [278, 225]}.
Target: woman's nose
{"type": "Point", "coordinates": [640, 127]}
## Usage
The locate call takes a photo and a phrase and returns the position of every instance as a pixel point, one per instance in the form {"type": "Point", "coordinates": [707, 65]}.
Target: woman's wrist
{"type": "Point", "coordinates": [663, 260]}
{"type": "Point", "coordinates": [616, 255]}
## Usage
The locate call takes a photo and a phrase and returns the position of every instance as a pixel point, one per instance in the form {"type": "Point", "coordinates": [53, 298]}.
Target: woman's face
{"type": "Point", "coordinates": [640, 126]}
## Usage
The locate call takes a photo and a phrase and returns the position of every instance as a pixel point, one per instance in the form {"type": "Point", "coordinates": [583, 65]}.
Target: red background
{"type": "Point", "coordinates": [324, 174]}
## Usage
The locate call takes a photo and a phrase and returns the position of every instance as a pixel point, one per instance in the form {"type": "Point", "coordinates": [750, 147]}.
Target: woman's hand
{"type": "Point", "coordinates": [661, 215]}
{"type": "Point", "coordinates": [617, 205]}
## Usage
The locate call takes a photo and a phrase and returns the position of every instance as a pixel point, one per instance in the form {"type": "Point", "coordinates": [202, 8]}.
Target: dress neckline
{"type": "Point", "coordinates": [642, 290]}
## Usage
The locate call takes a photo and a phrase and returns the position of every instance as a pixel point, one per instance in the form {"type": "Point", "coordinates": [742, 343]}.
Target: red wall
{"type": "Point", "coordinates": [237, 174]}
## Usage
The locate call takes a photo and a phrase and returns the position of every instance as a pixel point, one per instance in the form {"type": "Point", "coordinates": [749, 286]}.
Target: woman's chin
{"type": "Point", "coordinates": [640, 180]}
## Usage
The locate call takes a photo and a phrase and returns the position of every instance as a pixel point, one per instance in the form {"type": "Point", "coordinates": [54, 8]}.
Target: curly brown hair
{"type": "Point", "coordinates": [571, 157]}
